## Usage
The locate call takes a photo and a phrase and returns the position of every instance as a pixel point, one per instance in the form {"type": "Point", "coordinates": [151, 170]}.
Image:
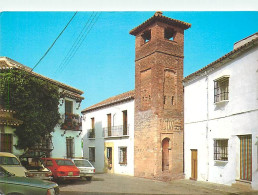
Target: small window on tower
{"type": "Point", "coordinates": [169, 34]}
{"type": "Point", "coordinates": [146, 36]}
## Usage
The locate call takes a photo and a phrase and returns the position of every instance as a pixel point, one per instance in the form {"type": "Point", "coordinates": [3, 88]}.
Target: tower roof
{"type": "Point", "coordinates": [158, 17]}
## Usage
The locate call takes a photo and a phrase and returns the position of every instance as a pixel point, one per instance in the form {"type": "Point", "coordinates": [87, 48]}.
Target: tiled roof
{"type": "Point", "coordinates": [7, 119]}
{"type": "Point", "coordinates": [158, 17]}
{"type": "Point", "coordinates": [226, 58]}
{"type": "Point", "coordinates": [112, 100]}
{"type": "Point", "coordinates": [7, 63]}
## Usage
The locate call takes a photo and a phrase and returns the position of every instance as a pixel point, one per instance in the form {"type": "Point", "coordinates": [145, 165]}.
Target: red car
{"type": "Point", "coordinates": [62, 169]}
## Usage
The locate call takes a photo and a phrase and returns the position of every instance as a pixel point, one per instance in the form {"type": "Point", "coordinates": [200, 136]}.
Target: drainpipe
{"type": "Point", "coordinates": [207, 124]}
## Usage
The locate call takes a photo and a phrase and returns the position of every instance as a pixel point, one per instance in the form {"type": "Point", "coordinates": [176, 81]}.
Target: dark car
{"type": "Point", "coordinates": [35, 167]}
{"type": "Point", "coordinates": [62, 169]}
{"type": "Point", "coordinates": [10, 184]}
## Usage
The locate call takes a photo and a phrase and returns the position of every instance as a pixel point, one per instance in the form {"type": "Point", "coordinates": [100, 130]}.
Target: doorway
{"type": "Point", "coordinates": [246, 157]}
{"type": "Point", "coordinates": [165, 154]}
{"type": "Point", "coordinates": [109, 158]}
{"type": "Point", "coordinates": [194, 164]}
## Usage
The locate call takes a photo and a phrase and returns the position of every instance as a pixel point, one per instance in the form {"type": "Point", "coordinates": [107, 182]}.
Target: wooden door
{"type": "Point", "coordinates": [194, 164]}
{"type": "Point", "coordinates": [246, 157]}
{"type": "Point", "coordinates": [6, 143]}
{"type": "Point", "coordinates": [109, 124]}
{"type": "Point", "coordinates": [165, 154]}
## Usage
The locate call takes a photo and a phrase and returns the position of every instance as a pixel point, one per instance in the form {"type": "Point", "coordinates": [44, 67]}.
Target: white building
{"type": "Point", "coordinates": [65, 141]}
{"type": "Point", "coordinates": [221, 118]}
{"type": "Point", "coordinates": [108, 134]}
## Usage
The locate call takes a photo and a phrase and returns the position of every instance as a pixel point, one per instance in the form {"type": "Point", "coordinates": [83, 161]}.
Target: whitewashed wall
{"type": "Point", "coordinates": [205, 121]}
{"type": "Point", "coordinates": [59, 138]}
{"type": "Point", "coordinates": [100, 117]}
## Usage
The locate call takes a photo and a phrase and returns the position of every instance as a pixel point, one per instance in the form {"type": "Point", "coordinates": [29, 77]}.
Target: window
{"type": "Point", "coordinates": [92, 131]}
{"type": "Point", "coordinates": [68, 106]}
{"type": "Point", "coordinates": [122, 155]}
{"type": "Point", "coordinates": [109, 124]}
{"type": "Point", "coordinates": [125, 122]}
{"type": "Point", "coordinates": [221, 149]}
{"type": "Point", "coordinates": [92, 154]}
{"type": "Point", "coordinates": [69, 147]}
{"type": "Point", "coordinates": [6, 142]}
{"type": "Point", "coordinates": [221, 89]}
{"type": "Point", "coordinates": [169, 34]}
{"type": "Point", "coordinates": [146, 36]}
{"type": "Point", "coordinates": [49, 163]}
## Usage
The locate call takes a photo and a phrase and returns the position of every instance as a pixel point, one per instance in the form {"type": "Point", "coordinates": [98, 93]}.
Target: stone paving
{"type": "Point", "coordinates": [119, 184]}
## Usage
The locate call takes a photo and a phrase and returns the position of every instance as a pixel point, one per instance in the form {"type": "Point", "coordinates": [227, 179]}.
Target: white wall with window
{"type": "Point", "coordinates": [114, 131]}
{"type": "Point", "coordinates": [67, 140]}
{"type": "Point", "coordinates": [220, 110]}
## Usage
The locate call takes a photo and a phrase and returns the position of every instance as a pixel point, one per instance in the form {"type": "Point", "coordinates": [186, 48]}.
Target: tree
{"type": "Point", "coordinates": [35, 101]}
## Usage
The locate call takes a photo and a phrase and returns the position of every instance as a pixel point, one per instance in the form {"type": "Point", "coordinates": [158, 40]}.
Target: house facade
{"type": "Point", "coordinates": [220, 116]}
{"type": "Point", "coordinates": [65, 141]}
{"type": "Point", "coordinates": [108, 134]}
{"type": "Point", "coordinates": [7, 127]}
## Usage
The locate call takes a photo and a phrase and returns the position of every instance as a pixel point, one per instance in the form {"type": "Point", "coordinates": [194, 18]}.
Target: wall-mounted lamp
{"type": "Point", "coordinates": [79, 104]}
{"type": "Point", "coordinates": [79, 134]}
{"type": "Point", "coordinates": [62, 102]}
{"type": "Point", "coordinates": [63, 133]}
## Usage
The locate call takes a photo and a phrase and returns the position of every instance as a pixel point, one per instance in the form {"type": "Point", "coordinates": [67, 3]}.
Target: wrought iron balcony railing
{"type": "Point", "coordinates": [116, 131]}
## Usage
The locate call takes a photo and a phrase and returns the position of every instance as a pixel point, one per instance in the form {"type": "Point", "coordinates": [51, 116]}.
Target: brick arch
{"type": "Point", "coordinates": [165, 154]}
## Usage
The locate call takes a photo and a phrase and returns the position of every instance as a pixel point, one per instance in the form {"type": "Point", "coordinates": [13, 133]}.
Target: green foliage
{"type": "Point", "coordinates": [35, 102]}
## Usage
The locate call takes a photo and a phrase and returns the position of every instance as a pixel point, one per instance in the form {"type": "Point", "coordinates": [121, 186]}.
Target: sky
{"type": "Point", "coordinates": [96, 52]}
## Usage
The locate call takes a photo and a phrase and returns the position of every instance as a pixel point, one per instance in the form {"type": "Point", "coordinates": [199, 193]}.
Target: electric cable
{"type": "Point", "coordinates": [54, 42]}
{"type": "Point", "coordinates": [79, 43]}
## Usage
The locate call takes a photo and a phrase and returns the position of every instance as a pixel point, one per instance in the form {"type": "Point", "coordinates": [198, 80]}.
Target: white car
{"type": "Point", "coordinates": [12, 164]}
{"type": "Point", "coordinates": [87, 170]}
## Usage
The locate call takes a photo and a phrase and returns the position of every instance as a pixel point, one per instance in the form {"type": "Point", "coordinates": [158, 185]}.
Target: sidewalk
{"type": "Point", "coordinates": [215, 187]}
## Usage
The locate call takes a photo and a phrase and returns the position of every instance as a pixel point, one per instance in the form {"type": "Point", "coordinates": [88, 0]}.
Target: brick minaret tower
{"type": "Point", "coordinates": [159, 54]}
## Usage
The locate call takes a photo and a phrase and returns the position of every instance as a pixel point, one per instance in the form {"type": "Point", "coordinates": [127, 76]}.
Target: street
{"type": "Point", "coordinates": [119, 184]}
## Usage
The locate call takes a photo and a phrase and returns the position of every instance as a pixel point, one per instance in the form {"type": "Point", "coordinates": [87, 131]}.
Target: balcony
{"type": "Point", "coordinates": [72, 122]}
{"type": "Point", "coordinates": [116, 131]}
{"type": "Point", "coordinates": [91, 134]}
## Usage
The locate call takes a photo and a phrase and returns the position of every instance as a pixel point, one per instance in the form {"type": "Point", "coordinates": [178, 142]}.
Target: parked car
{"type": "Point", "coordinates": [12, 164]}
{"type": "Point", "coordinates": [62, 169]}
{"type": "Point", "coordinates": [35, 167]}
{"type": "Point", "coordinates": [87, 170]}
{"type": "Point", "coordinates": [10, 184]}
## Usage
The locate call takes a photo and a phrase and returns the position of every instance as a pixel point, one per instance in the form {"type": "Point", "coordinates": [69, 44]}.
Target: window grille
{"type": "Point", "coordinates": [221, 149]}
{"type": "Point", "coordinates": [92, 154]}
{"type": "Point", "coordinates": [69, 147]}
{"type": "Point", "coordinates": [123, 155]}
{"type": "Point", "coordinates": [221, 89]}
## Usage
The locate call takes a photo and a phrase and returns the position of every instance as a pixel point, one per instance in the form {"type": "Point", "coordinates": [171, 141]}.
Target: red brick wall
{"type": "Point", "coordinates": [159, 73]}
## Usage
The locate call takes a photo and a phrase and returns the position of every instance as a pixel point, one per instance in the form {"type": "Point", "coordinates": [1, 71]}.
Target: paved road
{"type": "Point", "coordinates": [111, 184]}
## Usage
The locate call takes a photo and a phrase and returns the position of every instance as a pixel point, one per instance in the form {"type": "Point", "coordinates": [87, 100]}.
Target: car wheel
{"type": "Point", "coordinates": [88, 178]}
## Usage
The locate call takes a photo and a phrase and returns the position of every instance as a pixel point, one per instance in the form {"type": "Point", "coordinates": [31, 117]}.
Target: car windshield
{"type": "Point", "coordinates": [4, 173]}
{"type": "Point", "coordinates": [64, 163]}
{"type": "Point", "coordinates": [82, 163]}
{"type": "Point", "coordinates": [5, 160]}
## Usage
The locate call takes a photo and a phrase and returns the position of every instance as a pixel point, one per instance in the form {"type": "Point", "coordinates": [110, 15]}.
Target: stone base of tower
{"type": "Point", "coordinates": [165, 176]}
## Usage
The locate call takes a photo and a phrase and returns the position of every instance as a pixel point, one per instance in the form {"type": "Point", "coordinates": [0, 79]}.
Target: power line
{"type": "Point", "coordinates": [75, 43]}
{"type": "Point", "coordinates": [75, 48]}
{"type": "Point", "coordinates": [54, 42]}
